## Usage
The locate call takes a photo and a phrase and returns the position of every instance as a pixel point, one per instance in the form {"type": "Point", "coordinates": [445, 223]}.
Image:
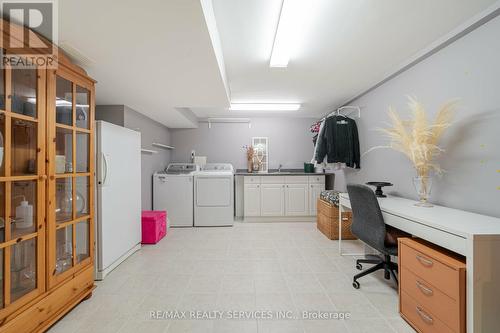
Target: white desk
{"type": "Point", "coordinates": [477, 237]}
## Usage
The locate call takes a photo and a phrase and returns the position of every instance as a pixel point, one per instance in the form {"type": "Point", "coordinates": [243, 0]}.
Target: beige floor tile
{"type": "Point", "coordinates": [264, 266]}
{"type": "Point", "coordinates": [312, 302]}
{"type": "Point", "coordinates": [322, 326]}
{"type": "Point", "coordinates": [303, 283]}
{"type": "Point", "coordinates": [355, 303]}
{"type": "Point", "coordinates": [280, 326]}
{"type": "Point", "coordinates": [270, 283]}
{"type": "Point", "coordinates": [238, 283]}
{"type": "Point", "coordinates": [400, 325]}
{"type": "Point", "coordinates": [190, 326]}
{"type": "Point", "coordinates": [368, 326]}
{"type": "Point", "coordinates": [149, 326]}
{"type": "Point", "coordinates": [233, 326]}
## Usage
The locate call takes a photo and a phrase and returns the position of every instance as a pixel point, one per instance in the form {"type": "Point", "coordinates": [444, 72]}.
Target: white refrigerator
{"type": "Point", "coordinates": [118, 227]}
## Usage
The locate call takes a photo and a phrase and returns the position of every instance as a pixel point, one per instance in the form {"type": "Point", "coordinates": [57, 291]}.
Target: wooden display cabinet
{"type": "Point", "coordinates": [46, 193]}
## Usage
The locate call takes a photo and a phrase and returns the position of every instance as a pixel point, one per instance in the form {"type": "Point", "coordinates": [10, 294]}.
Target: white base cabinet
{"type": "Point", "coordinates": [281, 196]}
{"type": "Point", "coordinates": [314, 193]}
{"type": "Point", "coordinates": [252, 200]}
{"type": "Point", "coordinates": [272, 201]}
{"type": "Point", "coordinates": [297, 200]}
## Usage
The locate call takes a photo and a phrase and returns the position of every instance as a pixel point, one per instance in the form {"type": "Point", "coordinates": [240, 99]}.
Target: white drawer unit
{"type": "Point", "coordinates": [317, 179]}
{"type": "Point", "coordinates": [289, 196]}
{"type": "Point", "coordinates": [297, 179]}
{"type": "Point", "coordinates": [252, 180]}
{"type": "Point", "coordinates": [272, 180]}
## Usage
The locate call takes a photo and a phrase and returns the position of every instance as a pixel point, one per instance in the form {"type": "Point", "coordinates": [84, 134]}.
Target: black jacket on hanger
{"type": "Point", "coordinates": [340, 142]}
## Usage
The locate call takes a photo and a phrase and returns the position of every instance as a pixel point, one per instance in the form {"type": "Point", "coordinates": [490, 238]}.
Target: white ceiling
{"type": "Point", "coordinates": [344, 48]}
{"type": "Point", "coordinates": [155, 56]}
{"type": "Point", "coordinates": [161, 57]}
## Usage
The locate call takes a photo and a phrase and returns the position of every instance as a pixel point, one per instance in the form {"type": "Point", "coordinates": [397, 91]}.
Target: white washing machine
{"type": "Point", "coordinates": [173, 191]}
{"type": "Point", "coordinates": [214, 195]}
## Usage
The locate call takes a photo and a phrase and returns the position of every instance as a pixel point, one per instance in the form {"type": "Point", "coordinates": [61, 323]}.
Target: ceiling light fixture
{"type": "Point", "coordinates": [265, 106]}
{"type": "Point", "coordinates": [285, 33]}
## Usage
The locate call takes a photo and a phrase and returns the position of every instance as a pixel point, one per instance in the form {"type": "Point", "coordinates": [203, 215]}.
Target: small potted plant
{"type": "Point", "coordinates": [250, 157]}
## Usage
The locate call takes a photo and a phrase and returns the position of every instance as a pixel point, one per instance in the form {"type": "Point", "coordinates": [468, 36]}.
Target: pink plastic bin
{"type": "Point", "coordinates": [154, 226]}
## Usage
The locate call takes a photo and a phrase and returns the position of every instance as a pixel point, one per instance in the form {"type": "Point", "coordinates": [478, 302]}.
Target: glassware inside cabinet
{"type": "Point", "coordinates": [64, 150]}
{"type": "Point", "coordinates": [2, 144]}
{"type": "Point", "coordinates": [64, 249]}
{"type": "Point", "coordinates": [64, 101]}
{"type": "Point", "coordinates": [82, 107]}
{"type": "Point", "coordinates": [1, 279]}
{"type": "Point", "coordinates": [24, 147]}
{"type": "Point", "coordinates": [82, 241]}
{"type": "Point", "coordinates": [64, 200]}
{"type": "Point", "coordinates": [22, 268]}
{"type": "Point", "coordinates": [23, 208]}
{"type": "Point", "coordinates": [24, 91]}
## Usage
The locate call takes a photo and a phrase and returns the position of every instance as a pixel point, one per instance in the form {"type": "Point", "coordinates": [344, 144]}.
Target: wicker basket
{"type": "Point", "coordinates": [328, 221]}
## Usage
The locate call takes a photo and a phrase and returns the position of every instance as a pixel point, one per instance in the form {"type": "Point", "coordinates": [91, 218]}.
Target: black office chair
{"type": "Point", "coordinates": [368, 225]}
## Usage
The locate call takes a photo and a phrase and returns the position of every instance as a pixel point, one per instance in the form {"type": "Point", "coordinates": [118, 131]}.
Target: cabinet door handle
{"type": "Point", "coordinates": [425, 317]}
{"type": "Point", "coordinates": [424, 261]}
{"type": "Point", "coordinates": [426, 290]}
{"type": "Point", "coordinates": [258, 186]}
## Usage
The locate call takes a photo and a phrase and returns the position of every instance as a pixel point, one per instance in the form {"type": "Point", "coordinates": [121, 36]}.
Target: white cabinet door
{"type": "Point", "coordinates": [272, 201]}
{"type": "Point", "coordinates": [251, 198]}
{"type": "Point", "coordinates": [314, 192]}
{"type": "Point", "coordinates": [296, 200]}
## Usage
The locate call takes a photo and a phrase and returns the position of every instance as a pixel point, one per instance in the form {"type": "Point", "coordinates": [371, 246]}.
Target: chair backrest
{"type": "Point", "coordinates": [368, 223]}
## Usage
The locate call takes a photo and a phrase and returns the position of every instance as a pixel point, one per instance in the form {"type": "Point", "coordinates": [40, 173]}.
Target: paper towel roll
{"type": "Point", "coordinates": [200, 160]}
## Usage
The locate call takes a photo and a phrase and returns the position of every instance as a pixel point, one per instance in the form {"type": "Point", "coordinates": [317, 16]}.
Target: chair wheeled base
{"type": "Point", "coordinates": [385, 263]}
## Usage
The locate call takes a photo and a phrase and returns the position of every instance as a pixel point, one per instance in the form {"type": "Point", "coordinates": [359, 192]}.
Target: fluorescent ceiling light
{"type": "Point", "coordinates": [265, 106]}
{"type": "Point", "coordinates": [285, 33]}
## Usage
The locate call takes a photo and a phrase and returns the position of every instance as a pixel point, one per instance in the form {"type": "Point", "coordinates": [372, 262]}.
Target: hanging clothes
{"type": "Point", "coordinates": [338, 140]}
{"type": "Point", "coordinates": [318, 142]}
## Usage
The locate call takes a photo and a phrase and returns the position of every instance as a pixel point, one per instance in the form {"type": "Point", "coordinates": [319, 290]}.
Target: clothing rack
{"type": "Point", "coordinates": [339, 111]}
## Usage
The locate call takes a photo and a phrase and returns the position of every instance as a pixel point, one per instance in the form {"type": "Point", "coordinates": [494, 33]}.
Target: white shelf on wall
{"type": "Point", "coordinates": [147, 151]}
{"type": "Point", "coordinates": [161, 145]}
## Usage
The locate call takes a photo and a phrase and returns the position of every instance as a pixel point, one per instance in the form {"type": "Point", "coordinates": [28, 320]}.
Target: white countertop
{"type": "Point", "coordinates": [455, 221]}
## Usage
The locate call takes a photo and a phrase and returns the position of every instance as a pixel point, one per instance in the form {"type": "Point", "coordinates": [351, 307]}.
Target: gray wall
{"type": "Point", "coordinates": [151, 131]}
{"type": "Point", "coordinates": [290, 142]}
{"type": "Point", "coordinates": [468, 69]}
{"type": "Point", "coordinates": [114, 114]}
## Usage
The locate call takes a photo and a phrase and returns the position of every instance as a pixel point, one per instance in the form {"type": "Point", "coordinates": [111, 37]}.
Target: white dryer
{"type": "Point", "coordinates": [214, 195]}
{"type": "Point", "coordinates": [173, 191]}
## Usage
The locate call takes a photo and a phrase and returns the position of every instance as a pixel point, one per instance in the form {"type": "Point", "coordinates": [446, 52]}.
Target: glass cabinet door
{"type": "Point", "coordinates": [22, 186]}
{"type": "Point", "coordinates": [70, 175]}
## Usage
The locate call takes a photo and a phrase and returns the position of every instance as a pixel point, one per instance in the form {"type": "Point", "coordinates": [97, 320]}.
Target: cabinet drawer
{"type": "Point", "coordinates": [296, 179]}
{"type": "Point", "coordinates": [272, 180]}
{"type": "Point", "coordinates": [316, 179]}
{"type": "Point", "coordinates": [442, 306]}
{"type": "Point", "coordinates": [426, 265]}
{"type": "Point", "coordinates": [252, 180]}
{"type": "Point", "coordinates": [420, 317]}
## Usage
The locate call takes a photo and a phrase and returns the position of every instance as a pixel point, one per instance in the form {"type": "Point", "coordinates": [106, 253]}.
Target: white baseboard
{"type": "Point", "coordinates": [100, 275]}
{"type": "Point", "coordinates": [280, 219]}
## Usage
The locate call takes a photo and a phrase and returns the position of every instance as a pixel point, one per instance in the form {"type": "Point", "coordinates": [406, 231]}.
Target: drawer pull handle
{"type": "Point", "coordinates": [426, 290]}
{"type": "Point", "coordinates": [424, 261]}
{"type": "Point", "coordinates": [425, 317]}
